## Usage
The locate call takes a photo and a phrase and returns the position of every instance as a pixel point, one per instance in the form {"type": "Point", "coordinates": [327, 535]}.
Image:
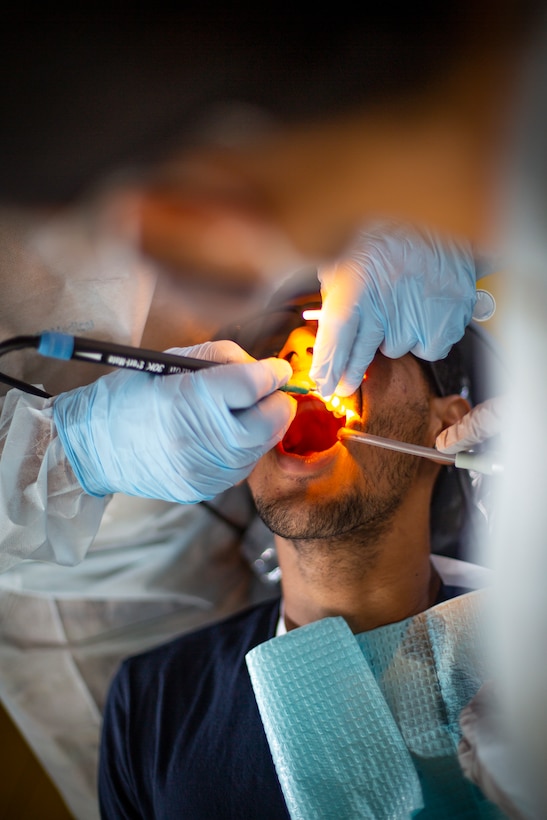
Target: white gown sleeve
{"type": "Point", "coordinates": [62, 272]}
{"type": "Point", "coordinates": [44, 512]}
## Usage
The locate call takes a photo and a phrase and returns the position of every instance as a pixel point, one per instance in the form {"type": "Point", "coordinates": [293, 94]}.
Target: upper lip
{"type": "Point", "coordinates": [313, 429]}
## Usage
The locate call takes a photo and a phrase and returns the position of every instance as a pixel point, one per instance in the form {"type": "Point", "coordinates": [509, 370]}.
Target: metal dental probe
{"type": "Point", "coordinates": [486, 462]}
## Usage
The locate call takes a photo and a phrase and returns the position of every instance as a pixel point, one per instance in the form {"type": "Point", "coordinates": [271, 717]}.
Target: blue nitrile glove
{"type": "Point", "coordinates": [399, 290]}
{"type": "Point", "coordinates": [181, 437]}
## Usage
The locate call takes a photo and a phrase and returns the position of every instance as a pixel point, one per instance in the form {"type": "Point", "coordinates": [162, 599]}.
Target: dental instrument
{"type": "Point", "coordinates": [485, 462]}
{"type": "Point", "coordinates": [65, 346]}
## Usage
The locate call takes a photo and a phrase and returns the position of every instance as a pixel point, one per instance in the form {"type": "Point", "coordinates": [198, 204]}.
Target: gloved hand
{"type": "Point", "coordinates": [489, 758]}
{"type": "Point", "coordinates": [400, 290]}
{"type": "Point", "coordinates": [481, 423]}
{"type": "Point", "coordinates": [181, 438]}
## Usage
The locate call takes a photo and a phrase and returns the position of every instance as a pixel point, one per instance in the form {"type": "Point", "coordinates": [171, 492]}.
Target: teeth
{"type": "Point", "coordinates": [339, 409]}
{"type": "Point", "coordinates": [334, 404]}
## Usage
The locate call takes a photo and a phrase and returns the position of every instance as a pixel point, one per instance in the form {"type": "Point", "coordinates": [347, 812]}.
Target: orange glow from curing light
{"type": "Point", "coordinates": [334, 404]}
{"type": "Point", "coordinates": [318, 419]}
{"type": "Point", "coordinates": [316, 424]}
{"type": "Point", "coordinates": [314, 428]}
{"type": "Point", "coordinates": [337, 407]}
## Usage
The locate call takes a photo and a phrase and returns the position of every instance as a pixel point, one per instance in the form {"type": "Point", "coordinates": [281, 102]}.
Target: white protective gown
{"type": "Point", "coordinates": [86, 581]}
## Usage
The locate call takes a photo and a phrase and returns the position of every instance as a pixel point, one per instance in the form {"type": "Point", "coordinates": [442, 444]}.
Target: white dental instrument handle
{"type": "Point", "coordinates": [486, 463]}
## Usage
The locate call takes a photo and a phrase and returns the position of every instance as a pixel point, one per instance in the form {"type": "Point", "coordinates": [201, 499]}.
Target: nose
{"type": "Point", "coordinates": [300, 358]}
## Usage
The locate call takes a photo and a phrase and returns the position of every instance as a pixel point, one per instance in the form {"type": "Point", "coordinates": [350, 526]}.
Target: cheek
{"type": "Point", "coordinates": [259, 476]}
{"type": "Point", "coordinates": [392, 397]}
{"type": "Point", "coordinates": [377, 393]}
{"type": "Point", "coordinates": [377, 472]}
{"type": "Point", "coordinates": [387, 376]}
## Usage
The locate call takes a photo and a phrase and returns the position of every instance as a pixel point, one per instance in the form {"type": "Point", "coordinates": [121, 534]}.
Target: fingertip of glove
{"type": "Point", "coordinates": [293, 405]}
{"type": "Point", "coordinates": [319, 381]}
{"type": "Point", "coordinates": [347, 387]}
{"type": "Point", "coordinates": [281, 369]}
{"type": "Point", "coordinates": [323, 385]}
{"type": "Point", "coordinates": [445, 443]}
{"type": "Point", "coordinates": [440, 441]}
{"type": "Point", "coordinates": [285, 405]}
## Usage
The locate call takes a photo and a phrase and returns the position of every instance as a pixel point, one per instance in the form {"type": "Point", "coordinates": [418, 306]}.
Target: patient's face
{"type": "Point", "coordinates": [313, 486]}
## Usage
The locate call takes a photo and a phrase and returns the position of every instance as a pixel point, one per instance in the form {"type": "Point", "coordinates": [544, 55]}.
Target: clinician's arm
{"type": "Point", "coordinates": [184, 437]}
{"type": "Point", "coordinates": [179, 438]}
{"type": "Point", "coordinates": [398, 290]}
{"type": "Point", "coordinates": [44, 511]}
{"type": "Point", "coordinates": [60, 270]}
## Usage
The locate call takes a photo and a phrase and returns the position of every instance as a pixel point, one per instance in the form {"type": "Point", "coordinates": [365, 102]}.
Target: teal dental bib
{"type": "Point", "coordinates": [366, 726]}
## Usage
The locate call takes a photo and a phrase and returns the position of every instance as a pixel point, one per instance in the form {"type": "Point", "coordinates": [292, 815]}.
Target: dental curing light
{"type": "Point", "coordinates": [65, 347]}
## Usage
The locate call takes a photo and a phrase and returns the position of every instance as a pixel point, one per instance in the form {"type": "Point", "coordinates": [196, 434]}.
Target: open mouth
{"type": "Point", "coordinates": [313, 430]}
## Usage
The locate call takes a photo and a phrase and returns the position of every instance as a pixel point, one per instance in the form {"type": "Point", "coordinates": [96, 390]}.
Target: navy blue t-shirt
{"type": "Point", "coordinates": [182, 735]}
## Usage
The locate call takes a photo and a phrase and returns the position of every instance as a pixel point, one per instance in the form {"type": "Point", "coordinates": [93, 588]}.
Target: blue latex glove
{"type": "Point", "coordinates": [180, 438]}
{"type": "Point", "coordinates": [399, 290]}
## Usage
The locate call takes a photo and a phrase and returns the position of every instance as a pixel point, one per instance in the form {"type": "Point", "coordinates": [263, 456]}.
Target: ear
{"type": "Point", "coordinates": [445, 411]}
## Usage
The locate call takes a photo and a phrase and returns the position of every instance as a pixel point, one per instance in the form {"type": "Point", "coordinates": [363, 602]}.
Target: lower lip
{"type": "Point", "coordinates": [306, 465]}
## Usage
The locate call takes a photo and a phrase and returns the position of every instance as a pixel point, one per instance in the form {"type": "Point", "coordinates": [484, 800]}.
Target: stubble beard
{"type": "Point", "coordinates": [359, 516]}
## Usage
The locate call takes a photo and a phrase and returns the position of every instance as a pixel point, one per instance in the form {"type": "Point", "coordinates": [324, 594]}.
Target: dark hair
{"type": "Point", "coordinates": [448, 376]}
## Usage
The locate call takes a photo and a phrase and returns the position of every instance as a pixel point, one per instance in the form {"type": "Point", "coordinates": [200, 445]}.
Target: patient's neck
{"type": "Point", "coordinates": [367, 584]}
